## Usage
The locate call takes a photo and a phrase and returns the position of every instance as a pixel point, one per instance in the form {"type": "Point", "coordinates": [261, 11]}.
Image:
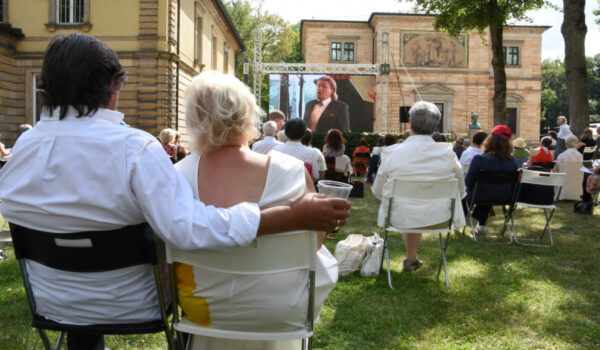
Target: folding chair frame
{"type": "Point", "coordinates": [443, 243]}
{"type": "Point", "coordinates": [42, 247]}
{"type": "Point", "coordinates": [548, 209]}
{"type": "Point", "coordinates": [182, 326]}
{"type": "Point", "coordinates": [499, 178]}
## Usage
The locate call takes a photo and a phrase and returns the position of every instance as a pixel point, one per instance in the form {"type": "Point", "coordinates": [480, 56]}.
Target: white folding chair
{"type": "Point", "coordinates": [420, 190]}
{"type": "Point", "coordinates": [556, 180]}
{"type": "Point", "coordinates": [589, 150]}
{"type": "Point", "coordinates": [270, 254]}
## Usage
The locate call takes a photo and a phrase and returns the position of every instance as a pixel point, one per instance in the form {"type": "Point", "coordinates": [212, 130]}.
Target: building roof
{"type": "Point", "coordinates": [223, 10]}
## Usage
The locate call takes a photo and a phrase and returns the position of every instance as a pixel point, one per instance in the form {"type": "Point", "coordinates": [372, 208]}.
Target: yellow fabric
{"type": "Point", "coordinates": [196, 308]}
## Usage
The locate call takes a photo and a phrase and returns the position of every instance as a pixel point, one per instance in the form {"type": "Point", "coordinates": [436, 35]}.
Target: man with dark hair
{"type": "Point", "coordinates": [79, 170]}
{"type": "Point", "coordinates": [475, 148]}
{"type": "Point", "coordinates": [294, 131]}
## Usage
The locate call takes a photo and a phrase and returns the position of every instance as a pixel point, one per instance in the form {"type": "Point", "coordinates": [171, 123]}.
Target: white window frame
{"type": "Point", "coordinates": [71, 7]}
{"type": "Point", "coordinates": [53, 16]}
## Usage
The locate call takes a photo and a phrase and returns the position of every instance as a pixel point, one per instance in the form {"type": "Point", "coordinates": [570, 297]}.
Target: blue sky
{"type": "Point", "coordinates": [360, 10]}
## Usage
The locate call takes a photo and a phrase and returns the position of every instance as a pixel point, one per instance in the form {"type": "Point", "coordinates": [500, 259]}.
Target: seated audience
{"type": "Point", "coordinates": [374, 161]}
{"type": "Point", "coordinates": [294, 131]}
{"type": "Point", "coordinates": [587, 140]}
{"type": "Point", "coordinates": [220, 116]}
{"type": "Point", "coordinates": [361, 161]}
{"type": "Point", "coordinates": [338, 164]}
{"type": "Point", "coordinates": [569, 162]}
{"type": "Point", "coordinates": [554, 136]}
{"type": "Point", "coordinates": [474, 149]}
{"type": "Point", "coordinates": [268, 142]}
{"type": "Point", "coordinates": [520, 151]}
{"type": "Point", "coordinates": [541, 154]}
{"type": "Point", "coordinates": [572, 154]}
{"type": "Point", "coordinates": [497, 156]}
{"type": "Point", "coordinates": [94, 174]}
{"type": "Point", "coordinates": [167, 140]}
{"type": "Point", "coordinates": [306, 141]}
{"type": "Point", "coordinates": [419, 158]}
{"type": "Point", "coordinates": [459, 147]}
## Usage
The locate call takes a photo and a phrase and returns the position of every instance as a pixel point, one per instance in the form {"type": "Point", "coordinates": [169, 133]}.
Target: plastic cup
{"type": "Point", "coordinates": [334, 189]}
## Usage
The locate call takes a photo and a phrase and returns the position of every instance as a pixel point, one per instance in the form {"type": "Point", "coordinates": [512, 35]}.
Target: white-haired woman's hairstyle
{"type": "Point", "coordinates": [167, 136]}
{"type": "Point", "coordinates": [562, 118]}
{"type": "Point", "coordinates": [269, 128]}
{"type": "Point", "coordinates": [424, 118]}
{"type": "Point", "coordinates": [219, 107]}
{"type": "Point", "coordinates": [571, 141]}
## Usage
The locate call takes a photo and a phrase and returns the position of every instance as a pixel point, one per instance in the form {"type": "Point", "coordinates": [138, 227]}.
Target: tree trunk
{"type": "Point", "coordinates": [574, 31]}
{"type": "Point", "coordinates": [500, 114]}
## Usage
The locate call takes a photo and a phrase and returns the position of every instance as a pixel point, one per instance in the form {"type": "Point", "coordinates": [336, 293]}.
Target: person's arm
{"type": "Point", "coordinates": [312, 211]}
{"type": "Point", "coordinates": [166, 199]}
{"type": "Point", "coordinates": [3, 151]}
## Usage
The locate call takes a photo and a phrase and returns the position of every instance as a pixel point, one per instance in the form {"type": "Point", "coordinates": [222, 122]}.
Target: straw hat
{"type": "Point", "coordinates": [519, 143]}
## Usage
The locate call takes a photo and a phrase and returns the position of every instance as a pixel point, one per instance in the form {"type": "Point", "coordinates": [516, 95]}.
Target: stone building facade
{"type": "Point", "coordinates": [144, 34]}
{"type": "Point", "coordinates": [454, 73]}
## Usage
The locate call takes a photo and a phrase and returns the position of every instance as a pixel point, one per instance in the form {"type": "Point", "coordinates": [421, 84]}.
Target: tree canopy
{"type": "Point", "coordinates": [455, 16]}
{"type": "Point", "coordinates": [280, 39]}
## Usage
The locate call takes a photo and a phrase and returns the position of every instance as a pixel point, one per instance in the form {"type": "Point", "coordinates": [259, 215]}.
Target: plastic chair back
{"type": "Point", "coordinates": [92, 251]}
{"type": "Point", "coordinates": [269, 254]}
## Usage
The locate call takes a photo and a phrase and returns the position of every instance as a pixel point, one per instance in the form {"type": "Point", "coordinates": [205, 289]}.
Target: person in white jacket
{"type": "Point", "coordinates": [419, 158]}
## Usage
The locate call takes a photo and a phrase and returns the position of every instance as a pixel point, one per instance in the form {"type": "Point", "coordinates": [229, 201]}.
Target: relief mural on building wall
{"type": "Point", "coordinates": [433, 49]}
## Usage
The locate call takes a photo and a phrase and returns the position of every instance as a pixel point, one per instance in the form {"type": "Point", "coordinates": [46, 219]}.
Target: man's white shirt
{"type": "Point", "coordinates": [265, 145]}
{"type": "Point", "coordinates": [93, 174]}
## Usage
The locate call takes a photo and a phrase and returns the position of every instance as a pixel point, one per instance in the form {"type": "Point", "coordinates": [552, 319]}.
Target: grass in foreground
{"type": "Point", "coordinates": [500, 296]}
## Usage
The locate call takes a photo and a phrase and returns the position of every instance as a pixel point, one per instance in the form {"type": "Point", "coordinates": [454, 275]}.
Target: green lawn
{"type": "Point", "coordinates": [500, 297]}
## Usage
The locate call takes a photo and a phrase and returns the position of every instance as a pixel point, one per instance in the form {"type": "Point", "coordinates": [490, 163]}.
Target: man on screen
{"type": "Point", "coordinates": [326, 112]}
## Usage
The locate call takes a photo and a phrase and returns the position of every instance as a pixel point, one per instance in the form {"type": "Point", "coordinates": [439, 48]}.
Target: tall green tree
{"type": "Point", "coordinates": [574, 31]}
{"type": "Point", "coordinates": [280, 39]}
{"type": "Point", "coordinates": [454, 16]}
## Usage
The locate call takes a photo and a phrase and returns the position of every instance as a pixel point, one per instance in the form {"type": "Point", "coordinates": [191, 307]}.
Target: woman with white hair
{"type": "Point", "coordinates": [221, 115]}
{"type": "Point", "coordinates": [419, 158]}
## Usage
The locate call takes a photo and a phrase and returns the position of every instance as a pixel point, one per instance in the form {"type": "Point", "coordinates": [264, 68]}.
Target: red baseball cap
{"type": "Point", "coordinates": [502, 131]}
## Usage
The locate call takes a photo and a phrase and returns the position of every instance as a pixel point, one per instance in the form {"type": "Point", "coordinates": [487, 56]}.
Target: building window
{"type": "Point", "coordinates": [226, 58]}
{"type": "Point", "coordinates": [214, 53]}
{"type": "Point", "coordinates": [348, 51]}
{"type": "Point", "coordinates": [37, 99]}
{"type": "Point", "coordinates": [511, 55]}
{"type": "Point", "coordinates": [198, 26]}
{"type": "Point", "coordinates": [512, 120]}
{"type": "Point", "coordinates": [3, 11]}
{"type": "Point", "coordinates": [342, 51]}
{"type": "Point", "coordinates": [336, 51]}
{"type": "Point", "coordinates": [69, 12]}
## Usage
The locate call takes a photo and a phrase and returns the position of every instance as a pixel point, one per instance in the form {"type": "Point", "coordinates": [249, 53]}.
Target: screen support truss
{"type": "Point", "coordinates": [259, 68]}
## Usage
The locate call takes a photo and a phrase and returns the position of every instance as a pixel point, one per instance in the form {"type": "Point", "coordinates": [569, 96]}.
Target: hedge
{"type": "Point", "coordinates": [353, 139]}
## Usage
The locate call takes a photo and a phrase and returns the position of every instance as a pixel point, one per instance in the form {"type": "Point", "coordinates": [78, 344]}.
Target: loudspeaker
{"type": "Point", "coordinates": [404, 114]}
